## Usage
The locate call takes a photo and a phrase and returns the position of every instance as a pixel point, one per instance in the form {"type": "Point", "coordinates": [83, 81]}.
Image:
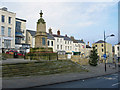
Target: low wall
{"type": "Point", "coordinates": [41, 56]}
{"type": "Point", "coordinates": [45, 56]}
{"type": "Point", "coordinates": [41, 49]}
{"type": "Point", "coordinates": [79, 60]}
{"type": "Point", "coordinates": [62, 57]}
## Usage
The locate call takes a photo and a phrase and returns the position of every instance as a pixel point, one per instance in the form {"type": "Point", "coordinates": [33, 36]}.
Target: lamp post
{"type": "Point", "coordinates": [2, 47]}
{"type": "Point", "coordinates": [105, 37]}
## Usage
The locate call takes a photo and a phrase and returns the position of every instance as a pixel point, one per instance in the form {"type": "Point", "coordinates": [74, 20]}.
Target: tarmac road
{"type": "Point", "coordinates": [108, 81]}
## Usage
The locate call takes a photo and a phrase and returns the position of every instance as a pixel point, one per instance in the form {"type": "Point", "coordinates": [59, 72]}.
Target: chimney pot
{"type": "Point", "coordinates": [50, 30]}
{"type": "Point", "coordinates": [72, 38]}
{"type": "Point", "coordinates": [88, 42]}
{"type": "Point", "coordinates": [58, 32]}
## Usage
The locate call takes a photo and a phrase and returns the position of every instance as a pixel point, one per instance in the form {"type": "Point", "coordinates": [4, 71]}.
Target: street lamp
{"type": "Point", "coordinates": [105, 37]}
{"type": "Point", "coordinates": [2, 47]}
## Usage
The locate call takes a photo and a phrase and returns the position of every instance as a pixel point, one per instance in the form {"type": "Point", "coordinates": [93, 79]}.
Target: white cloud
{"type": "Point", "coordinates": [61, 15]}
{"type": "Point", "coordinates": [53, 13]}
{"type": "Point", "coordinates": [85, 24]}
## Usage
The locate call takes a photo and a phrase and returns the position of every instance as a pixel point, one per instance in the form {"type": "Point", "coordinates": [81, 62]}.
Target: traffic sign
{"type": "Point", "coordinates": [104, 55]}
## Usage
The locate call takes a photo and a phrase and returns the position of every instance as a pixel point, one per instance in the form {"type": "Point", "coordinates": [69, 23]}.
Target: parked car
{"type": "Point", "coordinates": [20, 54]}
{"type": "Point", "coordinates": [11, 52]}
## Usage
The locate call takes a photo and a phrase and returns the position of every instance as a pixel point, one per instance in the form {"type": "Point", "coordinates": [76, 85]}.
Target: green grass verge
{"type": "Point", "coordinates": [41, 68]}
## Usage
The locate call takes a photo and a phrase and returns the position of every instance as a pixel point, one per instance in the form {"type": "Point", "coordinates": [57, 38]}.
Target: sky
{"type": "Point", "coordinates": [83, 19]}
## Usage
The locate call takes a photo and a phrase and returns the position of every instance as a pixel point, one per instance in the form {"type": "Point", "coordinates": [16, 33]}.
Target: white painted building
{"type": "Point", "coordinates": [51, 40]}
{"type": "Point", "coordinates": [79, 47]}
{"type": "Point", "coordinates": [59, 43]}
{"type": "Point", "coordinates": [7, 29]}
{"type": "Point", "coordinates": [62, 43]}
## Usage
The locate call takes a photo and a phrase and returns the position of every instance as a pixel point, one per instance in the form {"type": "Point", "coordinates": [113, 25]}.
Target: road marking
{"type": "Point", "coordinates": [99, 77]}
{"type": "Point", "coordinates": [109, 78]}
{"type": "Point", "coordinates": [115, 84]}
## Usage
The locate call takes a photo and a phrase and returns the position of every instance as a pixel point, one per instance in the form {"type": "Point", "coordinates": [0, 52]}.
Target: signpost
{"type": "Point", "coordinates": [105, 37]}
{"type": "Point", "coordinates": [104, 56]}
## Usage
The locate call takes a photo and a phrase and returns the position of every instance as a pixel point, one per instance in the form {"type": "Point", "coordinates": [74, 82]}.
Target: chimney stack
{"type": "Point", "coordinates": [72, 38]}
{"type": "Point", "coordinates": [58, 32]}
{"type": "Point", "coordinates": [4, 8]}
{"type": "Point", "coordinates": [88, 43]}
{"type": "Point", "coordinates": [50, 30]}
{"type": "Point", "coordinates": [65, 35]}
{"type": "Point", "coordinates": [82, 40]}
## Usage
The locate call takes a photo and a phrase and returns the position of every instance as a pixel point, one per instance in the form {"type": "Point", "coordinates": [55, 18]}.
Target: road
{"type": "Point", "coordinates": [108, 81]}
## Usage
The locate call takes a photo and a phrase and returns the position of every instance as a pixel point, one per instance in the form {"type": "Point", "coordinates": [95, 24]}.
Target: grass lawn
{"type": "Point", "coordinates": [40, 68]}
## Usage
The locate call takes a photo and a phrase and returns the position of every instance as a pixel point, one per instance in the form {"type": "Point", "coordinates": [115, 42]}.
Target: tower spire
{"type": "Point", "coordinates": [41, 13]}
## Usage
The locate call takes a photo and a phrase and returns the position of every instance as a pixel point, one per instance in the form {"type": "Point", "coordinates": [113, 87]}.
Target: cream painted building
{"type": "Point", "coordinates": [88, 50]}
{"type": "Point", "coordinates": [30, 37]}
{"type": "Point", "coordinates": [7, 28]}
{"type": "Point", "coordinates": [99, 45]}
{"type": "Point", "coordinates": [117, 49]}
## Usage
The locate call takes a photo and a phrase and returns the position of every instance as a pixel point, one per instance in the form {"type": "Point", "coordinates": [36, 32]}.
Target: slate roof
{"type": "Point", "coordinates": [32, 32]}
{"type": "Point", "coordinates": [78, 41]}
{"type": "Point", "coordinates": [20, 19]}
{"type": "Point", "coordinates": [119, 43]}
{"type": "Point", "coordinates": [65, 38]}
{"type": "Point", "coordinates": [49, 36]}
{"type": "Point", "coordinates": [57, 35]}
{"type": "Point", "coordinates": [100, 41]}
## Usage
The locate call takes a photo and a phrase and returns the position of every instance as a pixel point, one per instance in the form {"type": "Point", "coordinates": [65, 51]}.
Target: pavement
{"type": "Point", "coordinates": [33, 81]}
{"type": "Point", "coordinates": [17, 60]}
